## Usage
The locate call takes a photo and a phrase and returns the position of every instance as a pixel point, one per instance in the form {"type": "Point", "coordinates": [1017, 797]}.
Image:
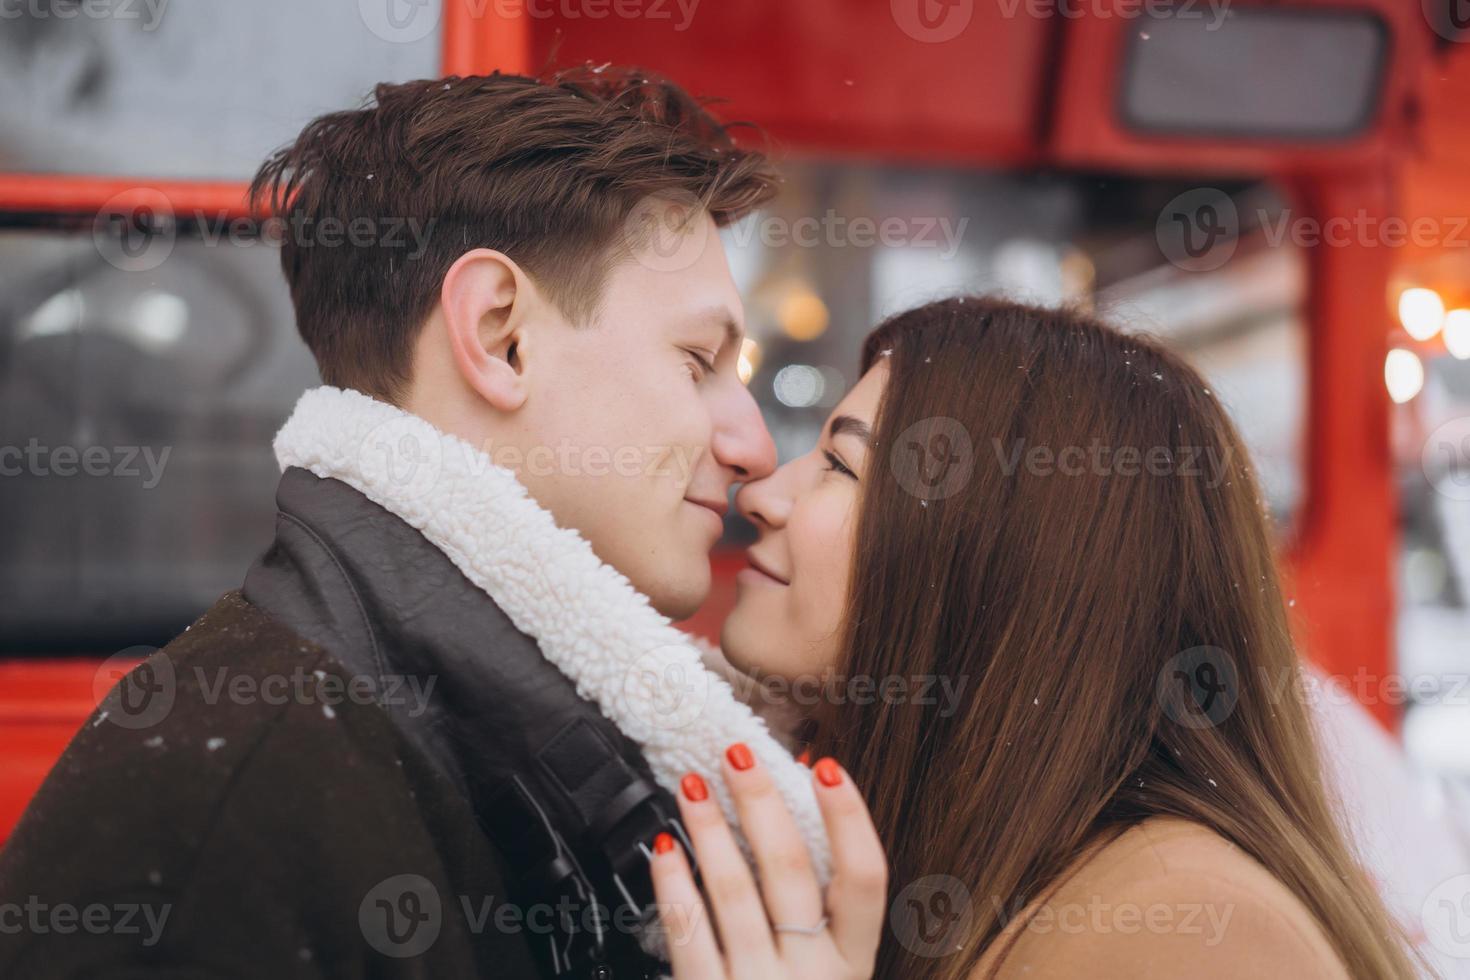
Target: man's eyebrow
{"type": "Point", "coordinates": [848, 425]}
{"type": "Point", "coordinates": [721, 317]}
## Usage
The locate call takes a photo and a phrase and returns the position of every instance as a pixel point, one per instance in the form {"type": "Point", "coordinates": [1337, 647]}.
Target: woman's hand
{"type": "Point", "coordinates": [782, 928]}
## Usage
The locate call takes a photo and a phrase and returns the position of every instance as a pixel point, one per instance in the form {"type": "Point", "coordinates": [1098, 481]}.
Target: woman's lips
{"type": "Point", "coordinates": [759, 572]}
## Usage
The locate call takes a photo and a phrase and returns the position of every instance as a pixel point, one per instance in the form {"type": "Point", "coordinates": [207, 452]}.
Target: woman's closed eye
{"type": "Point", "coordinates": [836, 465]}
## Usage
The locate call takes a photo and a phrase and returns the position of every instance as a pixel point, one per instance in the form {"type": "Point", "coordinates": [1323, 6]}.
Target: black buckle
{"type": "Point", "coordinates": [623, 839]}
{"type": "Point", "coordinates": [559, 875]}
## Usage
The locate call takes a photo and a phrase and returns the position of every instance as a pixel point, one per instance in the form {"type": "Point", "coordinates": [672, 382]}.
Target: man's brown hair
{"type": "Point", "coordinates": [544, 170]}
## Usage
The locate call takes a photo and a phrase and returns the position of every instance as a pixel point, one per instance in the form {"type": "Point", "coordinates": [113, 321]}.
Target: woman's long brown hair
{"type": "Point", "coordinates": [1076, 598]}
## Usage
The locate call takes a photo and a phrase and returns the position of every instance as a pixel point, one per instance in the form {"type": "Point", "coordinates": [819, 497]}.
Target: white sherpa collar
{"type": "Point", "coordinates": [645, 675]}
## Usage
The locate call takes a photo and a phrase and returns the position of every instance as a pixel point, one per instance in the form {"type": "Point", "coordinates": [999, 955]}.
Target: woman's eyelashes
{"type": "Point", "coordinates": [837, 466]}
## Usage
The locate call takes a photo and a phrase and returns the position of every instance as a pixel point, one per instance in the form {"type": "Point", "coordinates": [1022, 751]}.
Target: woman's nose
{"type": "Point", "coordinates": [766, 503]}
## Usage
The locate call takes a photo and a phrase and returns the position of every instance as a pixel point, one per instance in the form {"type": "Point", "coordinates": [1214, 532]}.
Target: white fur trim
{"type": "Point", "coordinates": [645, 675]}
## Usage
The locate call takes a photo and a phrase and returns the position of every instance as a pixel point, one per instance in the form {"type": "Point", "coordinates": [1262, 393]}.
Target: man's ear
{"type": "Point", "coordinates": [485, 298]}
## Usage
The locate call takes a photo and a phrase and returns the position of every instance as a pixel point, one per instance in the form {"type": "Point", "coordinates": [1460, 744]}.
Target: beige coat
{"type": "Point", "coordinates": [1167, 900]}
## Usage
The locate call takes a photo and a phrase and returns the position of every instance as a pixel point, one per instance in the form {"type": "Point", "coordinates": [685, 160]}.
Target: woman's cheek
{"type": "Point", "coordinates": [824, 545]}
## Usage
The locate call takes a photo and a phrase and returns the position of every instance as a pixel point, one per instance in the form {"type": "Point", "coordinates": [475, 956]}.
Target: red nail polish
{"type": "Point", "coordinates": [663, 843]}
{"type": "Point", "coordinates": [805, 758]}
{"type": "Point", "coordinates": [828, 772]}
{"type": "Point", "coordinates": [694, 789]}
{"type": "Point", "coordinates": [739, 756]}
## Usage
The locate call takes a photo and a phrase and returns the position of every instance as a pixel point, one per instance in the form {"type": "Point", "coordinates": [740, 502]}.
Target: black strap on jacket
{"type": "Point", "coordinates": [591, 900]}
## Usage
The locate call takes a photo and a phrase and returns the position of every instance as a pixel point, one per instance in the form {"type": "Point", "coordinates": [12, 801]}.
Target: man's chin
{"type": "Point", "coordinates": [680, 597]}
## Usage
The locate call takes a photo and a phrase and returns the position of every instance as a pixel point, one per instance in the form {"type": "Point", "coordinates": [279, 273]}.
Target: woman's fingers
{"type": "Point", "coordinates": [731, 890]}
{"type": "Point", "coordinates": [856, 897]}
{"type": "Point", "coordinates": [693, 952]}
{"type": "Point", "coordinates": [858, 893]}
{"type": "Point", "coordinates": [787, 881]}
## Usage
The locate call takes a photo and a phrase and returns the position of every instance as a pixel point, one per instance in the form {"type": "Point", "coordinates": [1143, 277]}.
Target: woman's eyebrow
{"type": "Point", "coordinates": [848, 425]}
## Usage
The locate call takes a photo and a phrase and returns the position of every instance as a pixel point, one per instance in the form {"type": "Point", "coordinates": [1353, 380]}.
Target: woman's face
{"type": "Point", "coordinates": [788, 614]}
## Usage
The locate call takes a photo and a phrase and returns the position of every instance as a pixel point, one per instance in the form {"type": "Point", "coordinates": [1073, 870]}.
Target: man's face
{"type": "Point", "coordinates": [639, 440]}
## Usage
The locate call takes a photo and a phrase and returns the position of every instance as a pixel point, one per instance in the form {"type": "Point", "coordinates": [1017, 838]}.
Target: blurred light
{"type": "Point", "coordinates": [802, 314]}
{"type": "Point", "coordinates": [1404, 374]}
{"type": "Point", "coordinates": [1030, 270]}
{"type": "Point", "coordinates": [1421, 311]}
{"type": "Point", "coordinates": [750, 360]}
{"type": "Point", "coordinates": [799, 385]}
{"type": "Point", "coordinates": [61, 313]}
{"type": "Point", "coordinates": [1426, 574]}
{"type": "Point", "coordinates": [1435, 735]}
{"type": "Point", "coordinates": [834, 386]}
{"type": "Point", "coordinates": [159, 319]}
{"type": "Point", "coordinates": [1457, 334]}
{"type": "Point", "coordinates": [1078, 274]}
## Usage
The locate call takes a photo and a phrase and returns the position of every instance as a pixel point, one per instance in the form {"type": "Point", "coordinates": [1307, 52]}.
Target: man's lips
{"type": "Point", "coordinates": [765, 570]}
{"type": "Point", "coordinates": [720, 507]}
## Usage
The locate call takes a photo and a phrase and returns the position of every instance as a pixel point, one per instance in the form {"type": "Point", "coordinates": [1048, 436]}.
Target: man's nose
{"type": "Point", "coordinates": [741, 440]}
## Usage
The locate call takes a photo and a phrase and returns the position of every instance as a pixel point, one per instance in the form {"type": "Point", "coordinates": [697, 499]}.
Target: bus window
{"type": "Point", "coordinates": [189, 89]}
{"type": "Point", "coordinates": [137, 410]}
{"type": "Point", "coordinates": [846, 245]}
{"type": "Point", "coordinates": [199, 358]}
